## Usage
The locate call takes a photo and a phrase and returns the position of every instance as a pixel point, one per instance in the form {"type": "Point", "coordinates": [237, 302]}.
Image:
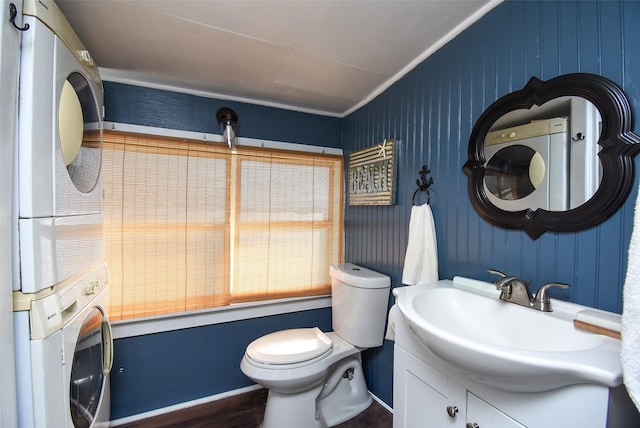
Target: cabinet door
{"type": "Point", "coordinates": [481, 414]}
{"type": "Point", "coordinates": [424, 397]}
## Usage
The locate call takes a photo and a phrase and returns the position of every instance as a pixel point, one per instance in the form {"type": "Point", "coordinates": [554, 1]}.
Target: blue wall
{"type": "Point", "coordinates": [173, 110]}
{"type": "Point", "coordinates": [432, 111]}
{"type": "Point", "coordinates": [163, 369]}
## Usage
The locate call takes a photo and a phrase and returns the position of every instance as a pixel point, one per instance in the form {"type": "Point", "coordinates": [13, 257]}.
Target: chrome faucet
{"type": "Point", "coordinates": [515, 290]}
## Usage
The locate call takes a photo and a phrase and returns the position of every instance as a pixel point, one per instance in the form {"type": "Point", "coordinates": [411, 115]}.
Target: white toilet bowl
{"type": "Point", "coordinates": [316, 384]}
{"type": "Point", "coordinates": [315, 380]}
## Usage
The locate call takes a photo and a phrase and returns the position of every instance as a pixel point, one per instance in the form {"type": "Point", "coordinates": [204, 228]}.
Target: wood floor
{"type": "Point", "coordinates": [246, 411]}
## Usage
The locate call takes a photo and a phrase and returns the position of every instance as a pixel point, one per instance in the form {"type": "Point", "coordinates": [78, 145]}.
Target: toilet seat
{"type": "Point", "coordinates": [288, 347]}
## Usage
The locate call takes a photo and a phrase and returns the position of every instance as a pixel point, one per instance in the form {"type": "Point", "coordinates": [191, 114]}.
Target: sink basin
{"type": "Point", "coordinates": [504, 345]}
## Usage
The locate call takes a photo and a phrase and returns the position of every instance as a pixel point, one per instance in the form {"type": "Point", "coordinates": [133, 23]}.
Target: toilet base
{"type": "Point", "coordinates": [342, 396]}
{"type": "Point", "coordinates": [292, 410]}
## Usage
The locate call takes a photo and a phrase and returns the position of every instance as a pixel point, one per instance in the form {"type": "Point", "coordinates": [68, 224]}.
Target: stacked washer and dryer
{"type": "Point", "coordinates": [62, 334]}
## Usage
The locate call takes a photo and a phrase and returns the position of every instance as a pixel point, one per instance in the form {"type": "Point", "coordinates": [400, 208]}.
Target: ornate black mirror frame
{"type": "Point", "coordinates": [618, 147]}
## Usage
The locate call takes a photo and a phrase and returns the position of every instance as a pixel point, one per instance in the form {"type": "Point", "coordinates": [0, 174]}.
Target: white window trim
{"type": "Point", "coordinates": [222, 314]}
{"type": "Point", "coordinates": [218, 315]}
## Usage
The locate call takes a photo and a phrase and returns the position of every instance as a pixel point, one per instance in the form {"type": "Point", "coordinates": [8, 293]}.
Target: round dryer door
{"type": "Point", "coordinates": [80, 132]}
{"type": "Point", "coordinates": [91, 364]}
{"type": "Point", "coordinates": [514, 172]}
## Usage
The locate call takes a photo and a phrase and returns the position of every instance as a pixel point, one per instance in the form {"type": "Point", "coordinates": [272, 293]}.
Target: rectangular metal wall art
{"type": "Point", "coordinates": [372, 175]}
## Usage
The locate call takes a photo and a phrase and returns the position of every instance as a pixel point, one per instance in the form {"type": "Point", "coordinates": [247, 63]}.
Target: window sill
{"type": "Point", "coordinates": [237, 312]}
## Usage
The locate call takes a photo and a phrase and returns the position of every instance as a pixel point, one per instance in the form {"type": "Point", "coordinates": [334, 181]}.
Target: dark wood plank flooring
{"type": "Point", "coordinates": [246, 411]}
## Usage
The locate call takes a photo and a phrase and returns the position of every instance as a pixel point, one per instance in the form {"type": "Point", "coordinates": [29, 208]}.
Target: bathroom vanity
{"type": "Point", "coordinates": [432, 390]}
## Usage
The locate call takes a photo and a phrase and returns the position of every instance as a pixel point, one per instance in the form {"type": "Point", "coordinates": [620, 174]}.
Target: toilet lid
{"type": "Point", "coordinates": [289, 346]}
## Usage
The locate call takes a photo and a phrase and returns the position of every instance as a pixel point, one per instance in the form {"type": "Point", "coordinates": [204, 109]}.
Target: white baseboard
{"type": "Point", "coordinates": [181, 406]}
{"type": "Point", "coordinates": [204, 400]}
{"type": "Point", "coordinates": [382, 403]}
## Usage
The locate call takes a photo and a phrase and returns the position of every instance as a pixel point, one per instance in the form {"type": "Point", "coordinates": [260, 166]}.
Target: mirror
{"type": "Point", "coordinates": [553, 156]}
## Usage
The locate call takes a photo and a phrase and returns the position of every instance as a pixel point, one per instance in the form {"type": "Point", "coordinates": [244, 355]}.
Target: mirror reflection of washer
{"type": "Point", "coordinates": [59, 190]}
{"type": "Point", "coordinates": [526, 166]}
{"type": "Point", "coordinates": [63, 364]}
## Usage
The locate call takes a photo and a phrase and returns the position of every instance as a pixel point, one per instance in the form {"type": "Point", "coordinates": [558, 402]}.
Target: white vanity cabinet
{"type": "Point", "coordinates": [431, 393]}
{"type": "Point", "coordinates": [426, 398]}
{"type": "Point", "coordinates": [481, 414]}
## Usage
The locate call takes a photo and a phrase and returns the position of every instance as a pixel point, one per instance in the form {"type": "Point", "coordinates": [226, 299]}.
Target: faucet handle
{"type": "Point", "coordinates": [542, 300]}
{"type": "Point", "coordinates": [496, 272]}
{"type": "Point", "coordinates": [503, 284]}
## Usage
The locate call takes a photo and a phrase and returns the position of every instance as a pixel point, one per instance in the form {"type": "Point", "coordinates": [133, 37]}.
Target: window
{"type": "Point", "coordinates": [189, 225]}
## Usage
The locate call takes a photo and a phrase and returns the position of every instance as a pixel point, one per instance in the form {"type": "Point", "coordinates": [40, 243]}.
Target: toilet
{"type": "Point", "coordinates": [315, 379]}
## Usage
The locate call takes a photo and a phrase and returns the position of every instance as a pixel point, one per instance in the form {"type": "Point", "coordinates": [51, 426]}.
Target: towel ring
{"type": "Point", "coordinates": [413, 199]}
{"type": "Point", "coordinates": [423, 184]}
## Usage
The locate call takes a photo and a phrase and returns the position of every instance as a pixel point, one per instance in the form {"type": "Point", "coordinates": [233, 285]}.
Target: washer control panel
{"type": "Point", "coordinates": [50, 313]}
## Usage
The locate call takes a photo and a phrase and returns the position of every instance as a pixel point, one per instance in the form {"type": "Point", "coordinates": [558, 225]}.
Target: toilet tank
{"type": "Point", "coordinates": [359, 299]}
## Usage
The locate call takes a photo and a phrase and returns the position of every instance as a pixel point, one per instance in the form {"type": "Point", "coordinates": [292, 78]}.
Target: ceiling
{"type": "Point", "coordinates": [325, 57]}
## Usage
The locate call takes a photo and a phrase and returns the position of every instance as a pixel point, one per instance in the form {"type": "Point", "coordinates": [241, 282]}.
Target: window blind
{"type": "Point", "coordinates": [189, 225]}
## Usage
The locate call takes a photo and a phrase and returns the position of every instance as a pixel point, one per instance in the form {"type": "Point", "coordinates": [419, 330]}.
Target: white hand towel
{"type": "Point", "coordinates": [421, 258]}
{"type": "Point", "coordinates": [391, 324]}
{"type": "Point", "coordinates": [630, 353]}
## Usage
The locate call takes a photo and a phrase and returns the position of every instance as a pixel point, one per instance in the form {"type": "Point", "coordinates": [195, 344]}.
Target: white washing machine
{"type": "Point", "coordinates": [64, 354]}
{"type": "Point", "coordinates": [59, 193]}
{"type": "Point", "coordinates": [527, 166]}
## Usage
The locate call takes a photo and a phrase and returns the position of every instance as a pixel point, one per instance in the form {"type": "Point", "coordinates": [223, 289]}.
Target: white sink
{"type": "Point", "coordinates": [504, 345]}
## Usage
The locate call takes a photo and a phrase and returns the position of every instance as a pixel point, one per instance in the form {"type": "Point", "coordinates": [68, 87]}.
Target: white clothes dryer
{"type": "Point", "coordinates": [59, 151]}
{"type": "Point", "coordinates": [60, 118]}
{"type": "Point", "coordinates": [526, 166]}
{"type": "Point", "coordinates": [64, 354]}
